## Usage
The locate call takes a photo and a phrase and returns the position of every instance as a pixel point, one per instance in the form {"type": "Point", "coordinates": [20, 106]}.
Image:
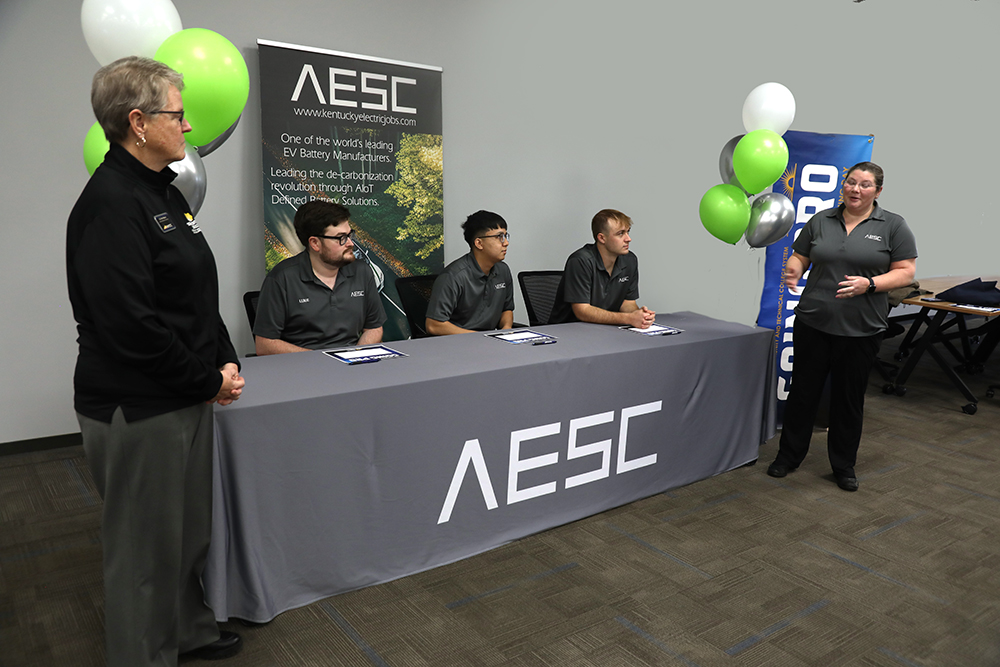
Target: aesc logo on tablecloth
{"type": "Point", "coordinates": [472, 456]}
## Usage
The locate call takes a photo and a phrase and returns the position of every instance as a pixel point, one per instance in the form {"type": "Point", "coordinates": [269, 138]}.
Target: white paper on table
{"type": "Point", "coordinates": [354, 355]}
{"type": "Point", "coordinates": [654, 330]}
{"type": "Point", "coordinates": [520, 336]}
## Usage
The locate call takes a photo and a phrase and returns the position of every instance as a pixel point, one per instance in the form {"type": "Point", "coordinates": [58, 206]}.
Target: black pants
{"type": "Point", "coordinates": [848, 361]}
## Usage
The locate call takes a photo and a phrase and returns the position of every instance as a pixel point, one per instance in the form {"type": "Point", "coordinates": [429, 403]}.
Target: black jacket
{"type": "Point", "coordinates": [145, 295]}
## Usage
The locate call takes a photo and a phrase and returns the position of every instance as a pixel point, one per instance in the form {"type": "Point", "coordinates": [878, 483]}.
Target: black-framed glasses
{"type": "Point", "coordinates": [502, 236]}
{"type": "Point", "coordinates": [339, 238]}
{"type": "Point", "coordinates": [864, 185]}
{"type": "Point", "coordinates": [179, 114]}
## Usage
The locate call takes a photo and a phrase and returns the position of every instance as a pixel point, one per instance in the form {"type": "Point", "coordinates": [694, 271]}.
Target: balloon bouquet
{"type": "Point", "coordinates": [749, 163]}
{"type": "Point", "coordinates": [216, 79]}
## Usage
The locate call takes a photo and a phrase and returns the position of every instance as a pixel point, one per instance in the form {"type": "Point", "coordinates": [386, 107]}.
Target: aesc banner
{"type": "Point", "coordinates": [362, 132]}
{"type": "Point", "coordinates": [817, 163]}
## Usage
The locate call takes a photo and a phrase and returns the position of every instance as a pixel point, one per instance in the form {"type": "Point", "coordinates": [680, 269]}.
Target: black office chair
{"type": "Point", "coordinates": [539, 291]}
{"type": "Point", "coordinates": [415, 293]}
{"type": "Point", "coordinates": [250, 303]}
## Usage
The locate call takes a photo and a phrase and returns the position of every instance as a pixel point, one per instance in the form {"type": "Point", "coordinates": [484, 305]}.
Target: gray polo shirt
{"type": "Point", "coordinates": [468, 298]}
{"type": "Point", "coordinates": [297, 307]}
{"type": "Point", "coordinates": [585, 280]}
{"type": "Point", "coordinates": [867, 251]}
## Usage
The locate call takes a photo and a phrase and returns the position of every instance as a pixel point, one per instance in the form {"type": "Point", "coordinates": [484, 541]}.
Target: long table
{"type": "Point", "coordinates": [330, 477]}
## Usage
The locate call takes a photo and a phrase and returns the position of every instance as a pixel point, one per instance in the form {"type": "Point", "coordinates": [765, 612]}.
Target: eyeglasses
{"type": "Point", "coordinates": [866, 185]}
{"type": "Point", "coordinates": [339, 238]}
{"type": "Point", "coordinates": [502, 236]}
{"type": "Point", "coordinates": [180, 114]}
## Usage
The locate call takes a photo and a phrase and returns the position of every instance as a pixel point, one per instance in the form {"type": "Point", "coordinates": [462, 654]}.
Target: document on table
{"type": "Point", "coordinates": [363, 355]}
{"type": "Point", "coordinates": [654, 330]}
{"type": "Point", "coordinates": [986, 310]}
{"type": "Point", "coordinates": [522, 336]}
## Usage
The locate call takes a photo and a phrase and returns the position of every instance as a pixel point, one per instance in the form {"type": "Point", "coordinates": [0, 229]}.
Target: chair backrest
{"type": "Point", "coordinates": [250, 303]}
{"type": "Point", "coordinates": [539, 291]}
{"type": "Point", "coordinates": [415, 293]}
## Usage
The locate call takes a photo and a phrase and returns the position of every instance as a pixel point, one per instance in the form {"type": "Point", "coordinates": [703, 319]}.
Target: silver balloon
{"type": "Point", "coordinates": [771, 216]}
{"type": "Point", "coordinates": [219, 140]}
{"type": "Point", "coordinates": [191, 179]}
{"type": "Point", "coordinates": [726, 163]}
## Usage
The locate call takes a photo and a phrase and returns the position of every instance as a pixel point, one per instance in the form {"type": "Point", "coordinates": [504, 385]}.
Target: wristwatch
{"type": "Point", "coordinates": [871, 285]}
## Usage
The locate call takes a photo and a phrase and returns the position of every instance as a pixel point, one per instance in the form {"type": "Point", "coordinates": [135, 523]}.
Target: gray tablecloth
{"type": "Point", "coordinates": [331, 477]}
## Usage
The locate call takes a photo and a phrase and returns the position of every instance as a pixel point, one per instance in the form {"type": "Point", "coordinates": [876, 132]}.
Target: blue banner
{"type": "Point", "coordinates": [816, 166]}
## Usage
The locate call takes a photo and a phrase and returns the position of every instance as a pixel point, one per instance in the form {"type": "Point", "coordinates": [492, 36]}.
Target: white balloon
{"type": "Point", "coordinates": [118, 28]}
{"type": "Point", "coordinates": [769, 106]}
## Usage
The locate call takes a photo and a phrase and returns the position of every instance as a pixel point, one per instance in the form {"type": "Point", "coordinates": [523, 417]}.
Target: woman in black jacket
{"type": "Point", "coordinates": [154, 356]}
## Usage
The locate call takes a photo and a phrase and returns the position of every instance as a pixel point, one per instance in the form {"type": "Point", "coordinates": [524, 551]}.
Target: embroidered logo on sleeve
{"type": "Point", "coordinates": [192, 223]}
{"type": "Point", "coordinates": [162, 221]}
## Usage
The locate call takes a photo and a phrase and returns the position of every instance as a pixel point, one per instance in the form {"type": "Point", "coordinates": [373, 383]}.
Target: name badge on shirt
{"type": "Point", "coordinates": [162, 220]}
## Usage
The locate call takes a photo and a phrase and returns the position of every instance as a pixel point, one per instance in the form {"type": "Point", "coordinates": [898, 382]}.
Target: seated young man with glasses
{"type": "Point", "coordinates": [600, 283]}
{"type": "Point", "coordinates": [476, 291]}
{"type": "Point", "coordinates": [320, 298]}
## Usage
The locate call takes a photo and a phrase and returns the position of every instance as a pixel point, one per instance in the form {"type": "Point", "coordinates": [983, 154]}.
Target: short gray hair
{"type": "Point", "coordinates": [130, 83]}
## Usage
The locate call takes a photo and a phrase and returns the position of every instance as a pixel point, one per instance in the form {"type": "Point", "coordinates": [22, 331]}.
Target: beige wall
{"type": "Point", "coordinates": [552, 110]}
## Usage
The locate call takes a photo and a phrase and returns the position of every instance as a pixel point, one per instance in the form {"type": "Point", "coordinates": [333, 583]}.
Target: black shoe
{"type": "Point", "coordinates": [847, 483]}
{"type": "Point", "coordinates": [226, 646]}
{"type": "Point", "coordinates": [778, 469]}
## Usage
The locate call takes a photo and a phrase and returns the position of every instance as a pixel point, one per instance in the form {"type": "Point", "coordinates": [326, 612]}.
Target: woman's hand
{"type": "Point", "coordinates": [852, 286]}
{"type": "Point", "coordinates": [794, 268]}
{"type": "Point", "coordinates": [232, 385]}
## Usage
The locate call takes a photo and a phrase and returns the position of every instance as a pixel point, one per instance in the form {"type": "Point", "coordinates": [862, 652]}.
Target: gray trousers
{"type": "Point", "coordinates": [155, 476]}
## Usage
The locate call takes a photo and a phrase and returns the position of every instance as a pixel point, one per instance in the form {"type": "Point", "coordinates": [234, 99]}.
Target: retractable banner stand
{"type": "Point", "coordinates": [363, 132]}
{"type": "Point", "coordinates": [817, 164]}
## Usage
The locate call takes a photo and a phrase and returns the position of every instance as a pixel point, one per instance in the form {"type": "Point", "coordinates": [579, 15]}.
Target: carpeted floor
{"type": "Point", "coordinates": [740, 569]}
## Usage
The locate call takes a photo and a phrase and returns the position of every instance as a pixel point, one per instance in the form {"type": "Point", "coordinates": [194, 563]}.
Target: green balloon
{"type": "Point", "coordinates": [759, 159]}
{"type": "Point", "coordinates": [725, 212]}
{"type": "Point", "coordinates": [216, 81]}
{"type": "Point", "coordinates": [95, 147]}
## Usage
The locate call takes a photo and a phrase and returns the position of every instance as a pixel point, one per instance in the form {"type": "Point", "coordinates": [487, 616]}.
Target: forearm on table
{"type": "Point", "coordinates": [265, 346]}
{"type": "Point", "coordinates": [438, 328]}
{"type": "Point", "coordinates": [370, 336]}
{"type": "Point", "coordinates": [588, 313]}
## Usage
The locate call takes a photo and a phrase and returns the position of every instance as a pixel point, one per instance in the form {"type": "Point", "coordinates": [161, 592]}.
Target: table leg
{"type": "Point", "coordinates": [970, 407]}
{"type": "Point", "coordinates": [908, 338]}
{"type": "Point", "coordinates": [923, 343]}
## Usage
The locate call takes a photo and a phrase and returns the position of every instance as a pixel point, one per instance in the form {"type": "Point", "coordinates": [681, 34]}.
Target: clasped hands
{"type": "Point", "coordinates": [232, 385]}
{"type": "Point", "coordinates": [642, 318]}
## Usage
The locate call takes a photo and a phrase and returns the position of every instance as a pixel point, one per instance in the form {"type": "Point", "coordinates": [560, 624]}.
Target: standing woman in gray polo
{"type": "Point", "coordinates": [857, 252]}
